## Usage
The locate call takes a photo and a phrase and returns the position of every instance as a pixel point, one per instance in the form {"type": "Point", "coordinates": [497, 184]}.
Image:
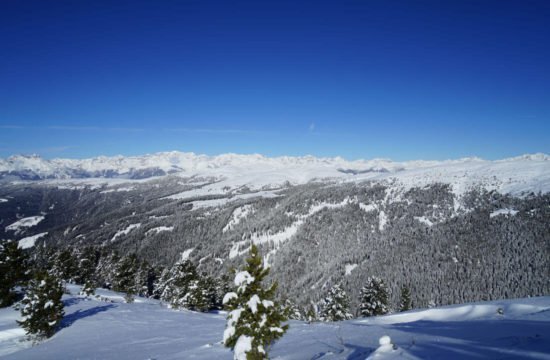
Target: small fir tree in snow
{"type": "Point", "coordinates": [65, 266]}
{"type": "Point", "coordinates": [335, 306]}
{"type": "Point", "coordinates": [88, 289]}
{"type": "Point", "coordinates": [175, 284]}
{"type": "Point", "coordinates": [12, 271]}
{"type": "Point", "coordinates": [125, 276]}
{"type": "Point", "coordinates": [42, 308]}
{"type": "Point", "coordinates": [374, 298]}
{"type": "Point", "coordinates": [405, 303]}
{"type": "Point", "coordinates": [87, 262]}
{"type": "Point", "coordinates": [311, 314]}
{"type": "Point", "coordinates": [292, 311]}
{"type": "Point", "coordinates": [254, 319]}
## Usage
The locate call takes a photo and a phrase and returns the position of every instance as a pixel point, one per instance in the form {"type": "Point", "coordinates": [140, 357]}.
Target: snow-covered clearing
{"type": "Point", "coordinates": [424, 220]}
{"type": "Point", "coordinates": [29, 241]}
{"type": "Point", "coordinates": [24, 223]}
{"type": "Point", "coordinates": [350, 268]}
{"type": "Point", "coordinates": [3, 200]}
{"type": "Point", "coordinates": [185, 255]}
{"type": "Point", "coordinates": [94, 329]}
{"type": "Point", "coordinates": [511, 212]}
{"type": "Point", "coordinates": [238, 214]}
{"type": "Point", "coordinates": [199, 204]}
{"type": "Point", "coordinates": [156, 230]}
{"type": "Point", "coordinates": [382, 220]}
{"type": "Point", "coordinates": [125, 231]}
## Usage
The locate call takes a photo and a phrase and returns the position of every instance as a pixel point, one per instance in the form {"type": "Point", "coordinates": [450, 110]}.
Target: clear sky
{"type": "Point", "coordinates": [358, 79]}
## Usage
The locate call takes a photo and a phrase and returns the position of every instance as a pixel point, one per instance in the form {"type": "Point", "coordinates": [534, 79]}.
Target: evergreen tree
{"type": "Point", "coordinates": [292, 311]}
{"type": "Point", "coordinates": [125, 276]}
{"type": "Point", "coordinates": [42, 308]}
{"type": "Point", "coordinates": [175, 284]}
{"type": "Point", "coordinates": [405, 303]}
{"type": "Point", "coordinates": [374, 298]}
{"type": "Point", "coordinates": [254, 320]}
{"type": "Point", "coordinates": [65, 266]}
{"type": "Point", "coordinates": [12, 271]}
{"type": "Point", "coordinates": [88, 289]}
{"type": "Point", "coordinates": [87, 263]}
{"type": "Point", "coordinates": [335, 306]}
{"type": "Point", "coordinates": [223, 286]}
{"type": "Point", "coordinates": [311, 314]}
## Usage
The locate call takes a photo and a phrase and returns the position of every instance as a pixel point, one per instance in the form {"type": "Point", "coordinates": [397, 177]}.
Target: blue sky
{"type": "Point", "coordinates": [360, 79]}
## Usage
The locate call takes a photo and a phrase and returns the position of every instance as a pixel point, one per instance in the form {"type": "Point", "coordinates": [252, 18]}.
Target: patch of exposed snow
{"type": "Point", "coordinates": [242, 347]}
{"type": "Point", "coordinates": [368, 207]}
{"type": "Point", "coordinates": [25, 223]}
{"type": "Point", "coordinates": [382, 220]}
{"type": "Point", "coordinates": [29, 241]}
{"type": "Point", "coordinates": [350, 268]}
{"type": "Point", "coordinates": [424, 220]}
{"type": "Point", "coordinates": [238, 214]}
{"type": "Point", "coordinates": [126, 231]}
{"type": "Point", "coordinates": [186, 253]}
{"type": "Point", "coordinates": [253, 302]}
{"type": "Point", "coordinates": [156, 230]}
{"type": "Point", "coordinates": [507, 212]}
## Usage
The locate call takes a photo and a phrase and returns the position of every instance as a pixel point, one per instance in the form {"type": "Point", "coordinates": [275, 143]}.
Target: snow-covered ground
{"type": "Point", "coordinates": [24, 223]}
{"type": "Point", "coordinates": [94, 329]}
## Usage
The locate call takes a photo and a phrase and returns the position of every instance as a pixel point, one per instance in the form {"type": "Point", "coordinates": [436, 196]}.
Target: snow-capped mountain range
{"type": "Point", "coordinates": [512, 175]}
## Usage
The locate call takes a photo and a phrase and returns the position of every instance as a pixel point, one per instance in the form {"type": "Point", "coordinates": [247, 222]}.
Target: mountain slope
{"type": "Point", "coordinates": [144, 330]}
{"type": "Point", "coordinates": [454, 231]}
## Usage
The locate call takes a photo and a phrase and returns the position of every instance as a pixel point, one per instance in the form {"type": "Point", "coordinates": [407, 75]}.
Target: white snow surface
{"type": "Point", "coordinates": [238, 214]}
{"type": "Point", "coordinates": [3, 200]}
{"type": "Point", "coordinates": [350, 268]}
{"type": "Point", "coordinates": [243, 345]}
{"type": "Point", "coordinates": [511, 212]}
{"type": "Point", "coordinates": [125, 231]}
{"type": "Point", "coordinates": [185, 255]}
{"type": "Point", "coordinates": [25, 223]}
{"type": "Point", "coordinates": [158, 229]}
{"type": "Point", "coordinates": [29, 241]}
{"type": "Point", "coordinates": [527, 173]}
{"type": "Point", "coordinates": [94, 329]}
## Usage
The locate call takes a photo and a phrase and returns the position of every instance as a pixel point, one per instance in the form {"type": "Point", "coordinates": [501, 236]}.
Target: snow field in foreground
{"type": "Point", "coordinates": [94, 329]}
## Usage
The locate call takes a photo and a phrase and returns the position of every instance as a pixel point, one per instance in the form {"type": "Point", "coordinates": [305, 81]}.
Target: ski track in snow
{"type": "Point", "coordinates": [95, 329]}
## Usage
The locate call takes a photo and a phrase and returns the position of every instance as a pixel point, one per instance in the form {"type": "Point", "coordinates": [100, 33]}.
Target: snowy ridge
{"type": "Point", "coordinates": [529, 172]}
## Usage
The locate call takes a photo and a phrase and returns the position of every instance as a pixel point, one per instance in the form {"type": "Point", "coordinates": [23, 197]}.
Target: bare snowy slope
{"type": "Point", "coordinates": [94, 329]}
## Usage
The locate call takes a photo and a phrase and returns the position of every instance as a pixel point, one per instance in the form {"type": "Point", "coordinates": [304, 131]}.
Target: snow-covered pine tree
{"type": "Point", "coordinates": [87, 263]}
{"type": "Point", "coordinates": [88, 289]}
{"type": "Point", "coordinates": [174, 284]}
{"type": "Point", "coordinates": [42, 308]}
{"type": "Point", "coordinates": [254, 320]}
{"type": "Point", "coordinates": [223, 285]}
{"type": "Point", "coordinates": [405, 302]}
{"type": "Point", "coordinates": [12, 271]}
{"type": "Point", "coordinates": [292, 311]}
{"type": "Point", "coordinates": [311, 314]}
{"type": "Point", "coordinates": [125, 276]}
{"type": "Point", "coordinates": [335, 306]}
{"type": "Point", "coordinates": [65, 266]}
{"type": "Point", "coordinates": [374, 298]}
